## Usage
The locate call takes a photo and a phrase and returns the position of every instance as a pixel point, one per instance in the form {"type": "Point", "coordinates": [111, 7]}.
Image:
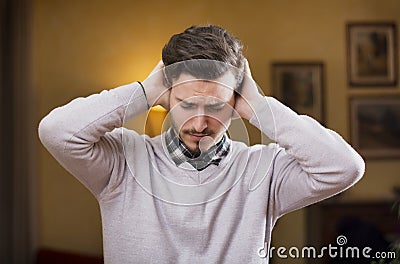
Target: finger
{"type": "Point", "coordinates": [247, 70]}
{"type": "Point", "coordinates": [165, 79]}
{"type": "Point", "coordinates": [159, 66]}
{"type": "Point", "coordinates": [168, 94]}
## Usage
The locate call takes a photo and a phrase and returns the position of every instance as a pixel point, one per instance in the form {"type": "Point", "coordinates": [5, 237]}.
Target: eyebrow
{"type": "Point", "coordinates": [184, 102]}
{"type": "Point", "coordinates": [215, 104]}
{"type": "Point", "coordinates": [207, 105]}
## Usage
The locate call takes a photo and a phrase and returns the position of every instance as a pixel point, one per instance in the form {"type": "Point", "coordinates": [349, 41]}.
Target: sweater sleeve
{"type": "Point", "coordinates": [315, 162]}
{"type": "Point", "coordinates": [81, 136]}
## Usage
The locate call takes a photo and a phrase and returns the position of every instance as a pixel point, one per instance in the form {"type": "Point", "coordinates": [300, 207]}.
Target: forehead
{"type": "Point", "coordinates": [187, 86]}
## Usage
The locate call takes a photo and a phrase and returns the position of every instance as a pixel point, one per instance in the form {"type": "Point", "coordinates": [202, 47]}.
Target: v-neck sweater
{"type": "Point", "coordinates": [155, 212]}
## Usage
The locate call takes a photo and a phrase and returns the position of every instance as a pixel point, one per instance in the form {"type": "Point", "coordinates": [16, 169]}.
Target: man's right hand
{"type": "Point", "coordinates": [156, 87]}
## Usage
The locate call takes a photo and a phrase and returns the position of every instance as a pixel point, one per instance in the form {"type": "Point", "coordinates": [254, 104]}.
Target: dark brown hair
{"type": "Point", "coordinates": [196, 47]}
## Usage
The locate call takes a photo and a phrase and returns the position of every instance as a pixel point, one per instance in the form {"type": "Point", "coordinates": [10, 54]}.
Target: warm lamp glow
{"type": "Point", "coordinates": [158, 108]}
{"type": "Point", "coordinates": [155, 120]}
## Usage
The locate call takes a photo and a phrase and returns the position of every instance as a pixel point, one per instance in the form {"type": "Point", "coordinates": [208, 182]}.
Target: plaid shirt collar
{"type": "Point", "coordinates": [180, 153]}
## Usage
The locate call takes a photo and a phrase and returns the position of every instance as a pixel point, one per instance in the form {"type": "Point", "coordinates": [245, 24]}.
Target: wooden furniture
{"type": "Point", "coordinates": [361, 221]}
{"type": "Point", "coordinates": [51, 256]}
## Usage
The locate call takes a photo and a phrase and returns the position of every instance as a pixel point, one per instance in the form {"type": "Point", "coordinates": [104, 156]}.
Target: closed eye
{"type": "Point", "coordinates": [217, 107]}
{"type": "Point", "coordinates": [187, 105]}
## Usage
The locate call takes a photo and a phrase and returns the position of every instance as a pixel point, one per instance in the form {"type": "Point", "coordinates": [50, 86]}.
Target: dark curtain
{"type": "Point", "coordinates": [16, 240]}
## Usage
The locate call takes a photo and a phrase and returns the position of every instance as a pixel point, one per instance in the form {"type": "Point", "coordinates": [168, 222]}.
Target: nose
{"type": "Point", "coordinates": [200, 123]}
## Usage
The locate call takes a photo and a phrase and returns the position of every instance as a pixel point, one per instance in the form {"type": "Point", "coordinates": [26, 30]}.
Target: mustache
{"type": "Point", "coordinates": [206, 131]}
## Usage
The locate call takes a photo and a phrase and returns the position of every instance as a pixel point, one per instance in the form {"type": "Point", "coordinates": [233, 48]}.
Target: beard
{"type": "Point", "coordinates": [195, 148]}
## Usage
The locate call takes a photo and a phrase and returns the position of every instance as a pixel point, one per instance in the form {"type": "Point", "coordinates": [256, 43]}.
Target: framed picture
{"type": "Point", "coordinates": [372, 54]}
{"type": "Point", "coordinates": [375, 126]}
{"type": "Point", "coordinates": [300, 87]}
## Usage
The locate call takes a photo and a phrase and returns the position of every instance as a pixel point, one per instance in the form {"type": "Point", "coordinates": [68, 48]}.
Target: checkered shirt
{"type": "Point", "coordinates": [181, 154]}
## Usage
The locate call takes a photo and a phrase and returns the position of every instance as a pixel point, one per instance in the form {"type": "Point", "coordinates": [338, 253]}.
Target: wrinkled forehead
{"type": "Point", "coordinates": [187, 87]}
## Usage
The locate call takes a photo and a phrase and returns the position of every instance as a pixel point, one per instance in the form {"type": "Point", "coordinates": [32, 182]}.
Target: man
{"type": "Point", "coordinates": [192, 195]}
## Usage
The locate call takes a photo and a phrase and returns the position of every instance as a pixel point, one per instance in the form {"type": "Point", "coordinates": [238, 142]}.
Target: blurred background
{"type": "Point", "coordinates": [53, 51]}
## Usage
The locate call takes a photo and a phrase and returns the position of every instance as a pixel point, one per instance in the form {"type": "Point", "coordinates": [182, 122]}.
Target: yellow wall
{"type": "Point", "coordinates": [81, 47]}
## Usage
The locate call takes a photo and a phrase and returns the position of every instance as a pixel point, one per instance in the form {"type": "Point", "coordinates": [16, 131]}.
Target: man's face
{"type": "Point", "coordinates": [201, 111]}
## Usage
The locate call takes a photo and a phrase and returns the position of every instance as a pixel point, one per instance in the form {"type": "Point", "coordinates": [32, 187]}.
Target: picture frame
{"type": "Point", "coordinates": [372, 54]}
{"type": "Point", "coordinates": [300, 86]}
{"type": "Point", "coordinates": [375, 126]}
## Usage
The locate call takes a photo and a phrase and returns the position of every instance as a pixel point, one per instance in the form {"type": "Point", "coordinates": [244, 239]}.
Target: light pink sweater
{"type": "Point", "coordinates": [155, 212]}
